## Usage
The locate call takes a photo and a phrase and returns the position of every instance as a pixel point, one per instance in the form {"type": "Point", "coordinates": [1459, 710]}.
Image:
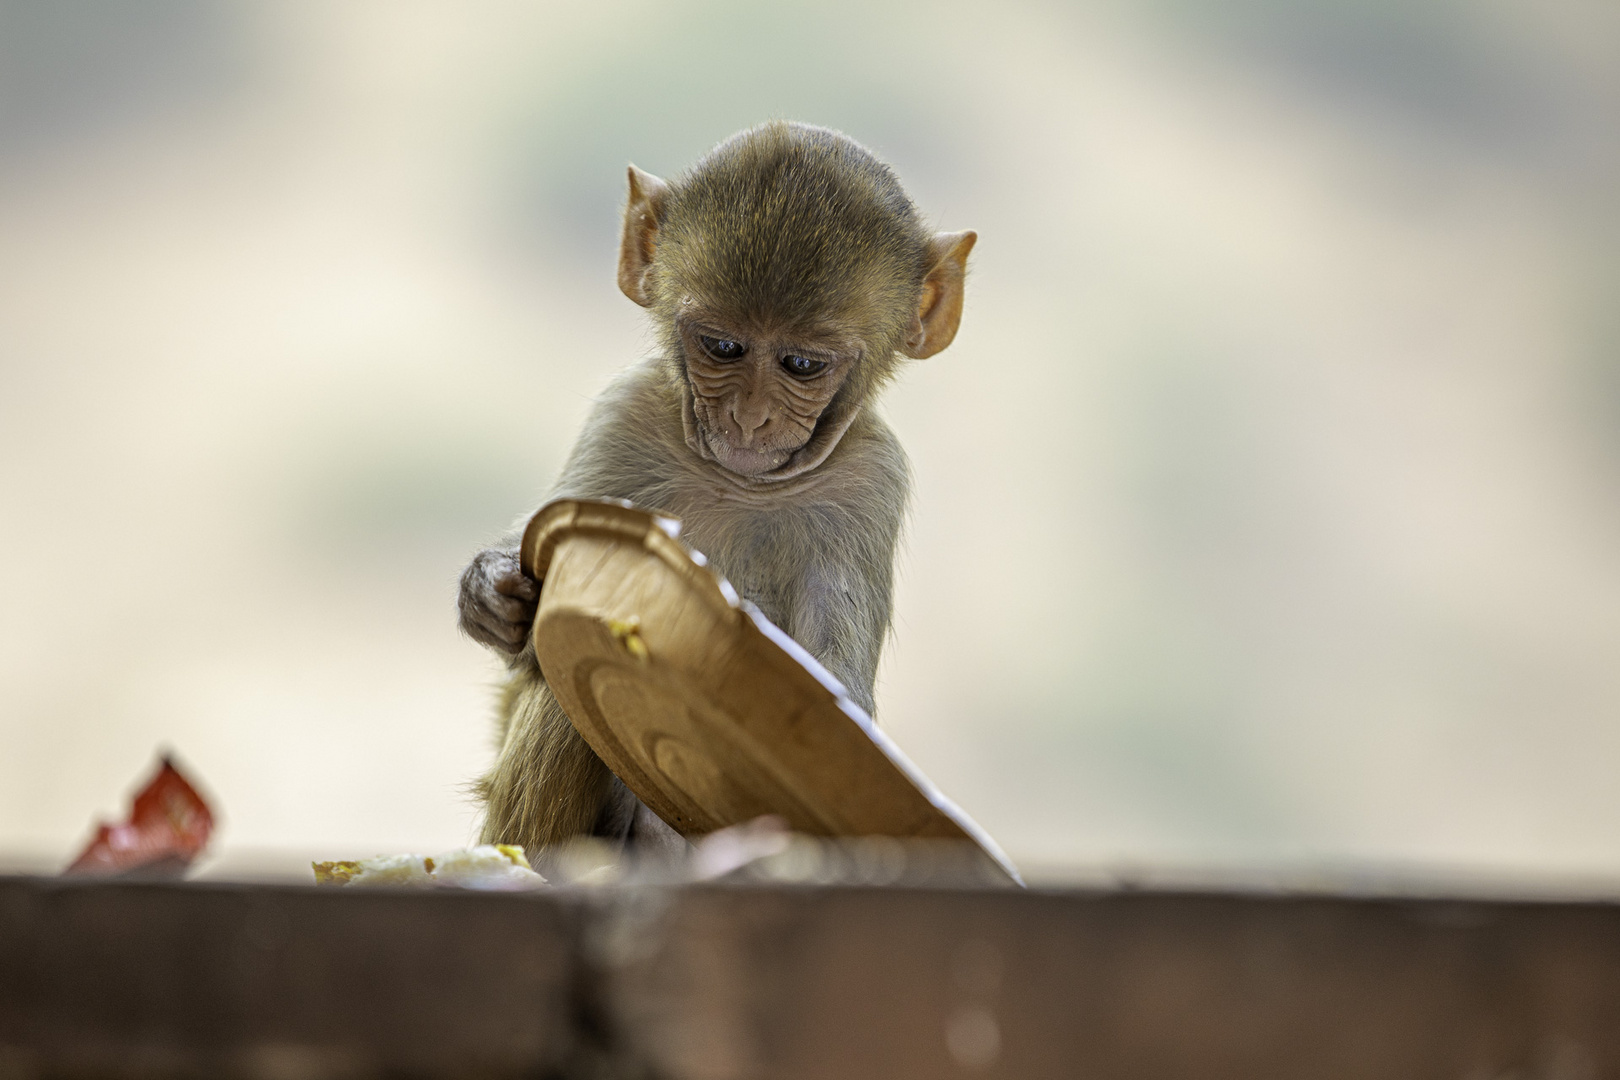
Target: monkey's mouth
{"type": "Point", "coordinates": [744, 460]}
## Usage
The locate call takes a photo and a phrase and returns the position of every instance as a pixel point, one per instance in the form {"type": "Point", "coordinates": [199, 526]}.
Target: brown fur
{"type": "Point", "coordinates": [791, 241]}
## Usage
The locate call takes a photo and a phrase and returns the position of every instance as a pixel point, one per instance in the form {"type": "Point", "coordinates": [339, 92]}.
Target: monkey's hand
{"type": "Point", "coordinates": [497, 601]}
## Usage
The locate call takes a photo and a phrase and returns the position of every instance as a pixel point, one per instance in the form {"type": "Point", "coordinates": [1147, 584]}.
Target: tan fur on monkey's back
{"type": "Point", "coordinates": [785, 243]}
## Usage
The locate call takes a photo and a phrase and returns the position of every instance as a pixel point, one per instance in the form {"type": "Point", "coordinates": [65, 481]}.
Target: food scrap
{"type": "Point", "coordinates": [169, 825]}
{"type": "Point", "coordinates": [500, 867]}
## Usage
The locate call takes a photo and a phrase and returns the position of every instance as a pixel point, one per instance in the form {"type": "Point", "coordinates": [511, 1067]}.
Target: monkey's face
{"type": "Point", "coordinates": [758, 393]}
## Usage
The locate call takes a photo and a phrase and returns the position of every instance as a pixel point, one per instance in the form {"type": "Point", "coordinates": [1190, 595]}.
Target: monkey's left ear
{"type": "Point", "coordinates": [641, 214]}
{"type": "Point", "coordinates": [939, 312]}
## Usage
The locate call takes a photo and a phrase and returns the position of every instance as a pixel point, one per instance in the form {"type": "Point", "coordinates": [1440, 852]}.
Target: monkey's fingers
{"type": "Point", "coordinates": [510, 609]}
{"type": "Point", "coordinates": [508, 629]}
{"type": "Point", "coordinates": [517, 583]}
{"type": "Point", "coordinates": [486, 628]}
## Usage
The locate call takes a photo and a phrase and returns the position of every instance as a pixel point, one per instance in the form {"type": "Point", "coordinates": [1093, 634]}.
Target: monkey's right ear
{"type": "Point", "coordinates": [641, 217]}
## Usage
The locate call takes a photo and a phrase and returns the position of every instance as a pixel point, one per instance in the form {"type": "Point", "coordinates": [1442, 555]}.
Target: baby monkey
{"type": "Point", "coordinates": [785, 274]}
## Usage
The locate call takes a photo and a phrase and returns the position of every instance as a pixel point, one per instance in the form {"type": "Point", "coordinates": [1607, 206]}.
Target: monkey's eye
{"type": "Point", "coordinates": [722, 349]}
{"type": "Point", "coordinates": [803, 366]}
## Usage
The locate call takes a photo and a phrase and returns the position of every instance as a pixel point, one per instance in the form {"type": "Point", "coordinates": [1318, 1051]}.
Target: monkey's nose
{"type": "Point", "coordinates": [750, 421]}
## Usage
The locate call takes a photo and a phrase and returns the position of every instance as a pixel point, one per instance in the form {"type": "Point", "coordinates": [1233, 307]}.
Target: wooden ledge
{"type": "Point", "coordinates": [195, 980]}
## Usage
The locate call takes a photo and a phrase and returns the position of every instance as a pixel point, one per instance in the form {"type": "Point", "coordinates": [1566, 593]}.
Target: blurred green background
{"type": "Point", "coordinates": [1265, 515]}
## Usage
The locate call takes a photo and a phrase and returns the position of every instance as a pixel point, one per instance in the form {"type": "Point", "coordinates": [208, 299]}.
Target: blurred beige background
{"type": "Point", "coordinates": [1266, 506]}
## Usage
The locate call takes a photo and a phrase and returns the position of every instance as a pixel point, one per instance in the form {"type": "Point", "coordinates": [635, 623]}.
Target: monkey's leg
{"type": "Point", "coordinates": [547, 783]}
{"type": "Point", "coordinates": [627, 819]}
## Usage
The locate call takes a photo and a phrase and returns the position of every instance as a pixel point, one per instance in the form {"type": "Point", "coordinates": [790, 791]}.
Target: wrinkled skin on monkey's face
{"type": "Point", "coordinates": [785, 273]}
{"type": "Point", "coordinates": [757, 393]}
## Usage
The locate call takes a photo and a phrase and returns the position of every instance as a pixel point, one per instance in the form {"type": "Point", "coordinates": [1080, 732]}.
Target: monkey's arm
{"type": "Point", "coordinates": [620, 454]}
{"type": "Point", "coordinates": [845, 601]}
{"type": "Point", "coordinates": [842, 621]}
{"type": "Point", "coordinates": [547, 784]}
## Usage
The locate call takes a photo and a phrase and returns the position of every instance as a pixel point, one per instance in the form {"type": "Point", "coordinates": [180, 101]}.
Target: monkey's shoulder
{"type": "Point", "coordinates": [870, 452]}
{"type": "Point", "coordinates": [642, 403]}
{"type": "Point", "coordinates": [631, 435]}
